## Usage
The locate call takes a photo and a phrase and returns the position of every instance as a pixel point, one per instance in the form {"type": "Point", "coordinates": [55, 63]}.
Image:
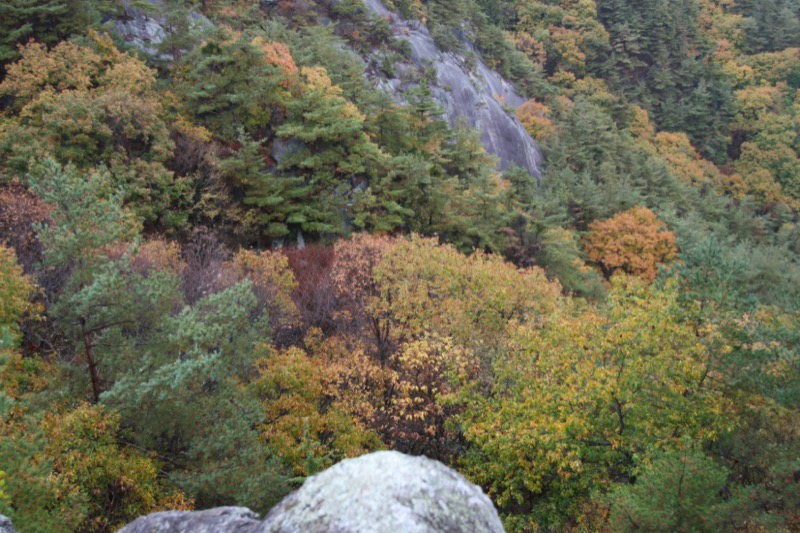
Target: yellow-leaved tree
{"type": "Point", "coordinates": [576, 400]}
{"type": "Point", "coordinates": [94, 105]}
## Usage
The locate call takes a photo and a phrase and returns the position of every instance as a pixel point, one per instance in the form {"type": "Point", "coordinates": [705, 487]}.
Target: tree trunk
{"type": "Point", "coordinates": [94, 376]}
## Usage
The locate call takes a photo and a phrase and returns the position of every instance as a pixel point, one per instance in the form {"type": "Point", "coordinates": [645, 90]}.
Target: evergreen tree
{"type": "Point", "coordinates": [333, 154]}
{"type": "Point", "coordinates": [87, 221]}
{"type": "Point", "coordinates": [681, 490]}
{"type": "Point", "coordinates": [770, 25]}
{"type": "Point", "coordinates": [596, 170]}
{"type": "Point", "coordinates": [659, 59]}
{"type": "Point", "coordinates": [181, 393]}
{"type": "Point", "coordinates": [44, 21]}
{"type": "Point", "coordinates": [228, 84]}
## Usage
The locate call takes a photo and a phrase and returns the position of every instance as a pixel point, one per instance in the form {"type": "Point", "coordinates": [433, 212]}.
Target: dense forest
{"type": "Point", "coordinates": [231, 263]}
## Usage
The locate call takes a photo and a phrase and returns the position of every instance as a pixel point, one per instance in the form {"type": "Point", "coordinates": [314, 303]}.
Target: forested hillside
{"type": "Point", "coordinates": [235, 260]}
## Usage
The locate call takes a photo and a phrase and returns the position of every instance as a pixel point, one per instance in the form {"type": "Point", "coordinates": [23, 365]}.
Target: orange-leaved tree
{"type": "Point", "coordinates": [634, 242]}
{"type": "Point", "coordinates": [535, 117]}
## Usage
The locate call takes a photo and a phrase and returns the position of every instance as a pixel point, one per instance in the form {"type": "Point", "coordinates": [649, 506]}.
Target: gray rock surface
{"type": "Point", "coordinates": [385, 492]}
{"type": "Point", "coordinates": [382, 492]}
{"type": "Point", "coordinates": [478, 96]}
{"type": "Point", "coordinates": [221, 519]}
{"type": "Point", "coordinates": [283, 147]}
{"type": "Point", "coordinates": [145, 29]}
{"type": "Point", "coordinates": [5, 525]}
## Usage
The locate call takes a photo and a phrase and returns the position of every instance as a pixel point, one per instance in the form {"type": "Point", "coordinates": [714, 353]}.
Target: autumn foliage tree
{"type": "Point", "coordinates": [16, 290]}
{"type": "Point", "coordinates": [178, 346]}
{"type": "Point", "coordinates": [574, 400]}
{"type": "Point", "coordinates": [535, 117]}
{"type": "Point", "coordinates": [318, 403]}
{"type": "Point", "coordinates": [634, 242]}
{"type": "Point", "coordinates": [89, 106]}
{"type": "Point", "coordinates": [356, 289]}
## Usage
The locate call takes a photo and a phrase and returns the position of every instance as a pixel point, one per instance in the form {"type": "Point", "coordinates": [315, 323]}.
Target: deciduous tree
{"type": "Point", "coordinates": [635, 242]}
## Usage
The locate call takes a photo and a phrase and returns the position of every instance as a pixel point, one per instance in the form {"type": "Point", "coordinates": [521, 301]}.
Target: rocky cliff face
{"type": "Point", "coordinates": [380, 492]}
{"type": "Point", "coordinates": [147, 29]}
{"type": "Point", "coordinates": [479, 95]}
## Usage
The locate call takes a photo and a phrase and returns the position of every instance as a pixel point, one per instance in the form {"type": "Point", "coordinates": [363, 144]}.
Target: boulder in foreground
{"type": "Point", "coordinates": [380, 492]}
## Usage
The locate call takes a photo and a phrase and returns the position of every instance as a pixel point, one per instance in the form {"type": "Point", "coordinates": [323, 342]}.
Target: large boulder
{"type": "Point", "coordinates": [385, 492]}
{"type": "Point", "coordinates": [380, 492]}
{"type": "Point", "coordinates": [221, 519]}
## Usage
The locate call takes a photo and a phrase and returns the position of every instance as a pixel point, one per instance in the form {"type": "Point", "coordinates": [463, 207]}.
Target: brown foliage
{"type": "Point", "coordinates": [354, 287]}
{"type": "Point", "coordinates": [158, 254]}
{"type": "Point", "coordinates": [314, 295]}
{"type": "Point", "coordinates": [204, 256]}
{"type": "Point", "coordinates": [19, 211]}
{"type": "Point", "coordinates": [634, 242]}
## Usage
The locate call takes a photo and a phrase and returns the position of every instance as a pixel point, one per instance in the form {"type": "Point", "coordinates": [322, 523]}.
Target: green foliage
{"type": "Point", "coordinates": [192, 408]}
{"type": "Point", "coordinates": [770, 25]}
{"type": "Point", "coordinates": [275, 197]}
{"type": "Point", "coordinates": [228, 84]}
{"type": "Point", "coordinates": [671, 405]}
{"type": "Point", "coordinates": [183, 30]}
{"type": "Point", "coordinates": [44, 21]}
{"type": "Point", "coordinates": [385, 205]}
{"type": "Point", "coordinates": [680, 490]}
{"type": "Point", "coordinates": [333, 154]}
{"type": "Point", "coordinates": [87, 219]}
{"type": "Point", "coordinates": [68, 470]}
{"type": "Point", "coordinates": [573, 402]}
{"type": "Point", "coordinates": [561, 258]}
{"type": "Point", "coordinates": [596, 170]}
{"type": "Point", "coordinates": [657, 41]}
{"type": "Point", "coordinates": [115, 484]}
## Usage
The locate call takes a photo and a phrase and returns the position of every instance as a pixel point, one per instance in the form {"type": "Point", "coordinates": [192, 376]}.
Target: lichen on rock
{"type": "Point", "coordinates": [385, 492]}
{"type": "Point", "coordinates": [380, 492]}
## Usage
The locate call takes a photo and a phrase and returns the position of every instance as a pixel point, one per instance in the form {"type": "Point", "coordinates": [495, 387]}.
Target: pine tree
{"type": "Point", "coordinates": [87, 221]}
{"type": "Point", "coordinates": [659, 60]}
{"type": "Point", "coordinates": [229, 84]}
{"type": "Point", "coordinates": [333, 153]}
{"type": "Point", "coordinates": [44, 21]}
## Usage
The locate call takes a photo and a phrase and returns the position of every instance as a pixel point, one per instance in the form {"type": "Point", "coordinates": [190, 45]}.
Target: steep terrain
{"type": "Point", "coordinates": [610, 344]}
{"type": "Point", "coordinates": [473, 93]}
